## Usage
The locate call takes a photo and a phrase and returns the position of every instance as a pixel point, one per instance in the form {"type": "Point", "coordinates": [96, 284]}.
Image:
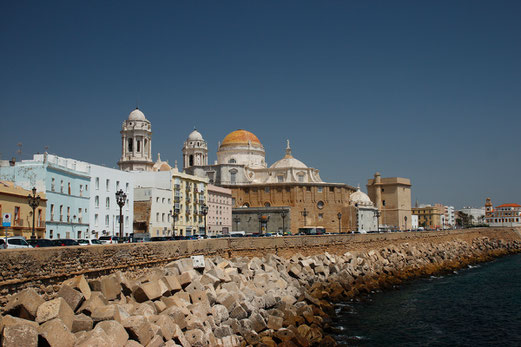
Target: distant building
{"type": "Point", "coordinates": [366, 212]}
{"type": "Point", "coordinates": [449, 220]}
{"type": "Point", "coordinates": [430, 216]}
{"type": "Point", "coordinates": [65, 183]}
{"type": "Point", "coordinates": [505, 215]}
{"type": "Point", "coordinates": [219, 218]}
{"type": "Point", "coordinates": [475, 215]}
{"type": "Point", "coordinates": [136, 143]}
{"type": "Point", "coordinates": [392, 197]}
{"type": "Point", "coordinates": [13, 200]}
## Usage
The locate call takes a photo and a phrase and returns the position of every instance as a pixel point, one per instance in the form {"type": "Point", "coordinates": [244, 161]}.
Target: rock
{"type": "Point", "coordinates": [56, 308]}
{"type": "Point", "coordinates": [107, 312]}
{"type": "Point", "coordinates": [81, 284]}
{"type": "Point", "coordinates": [114, 330]}
{"type": "Point", "coordinates": [284, 334]}
{"type": "Point", "coordinates": [195, 337]}
{"type": "Point", "coordinates": [24, 304]}
{"type": "Point", "coordinates": [223, 331]}
{"type": "Point", "coordinates": [139, 329]}
{"type": "Point", "coordinates": [149, 291]}
{"type": "Point", "coordinates": [17, 335]}
{"type": "Point", "coordinates": [81, 322]}
{"type": "Point", "coordinates": [71, 296]}
{"type": "Point", "coordinates": [97, 337]}
{"type": "Point", "coordinates": [132, 343]}
{"type": "Point", "coordinates": [238, 312]}
{"type": "Point", "coordinates": [56, 333]}
{"type": "Point", "coordinates": [157, 341]}
{"type": "Point", "coordinates": [96, 299]}
{"type": "Point", "coordinates": [172, 283]}
{"type": "Point", "coordinates": [220, 313]}
{"type": "Point", "coordinates": [167, 326]}
{"type": "Point", "coordinates": [257, 322]}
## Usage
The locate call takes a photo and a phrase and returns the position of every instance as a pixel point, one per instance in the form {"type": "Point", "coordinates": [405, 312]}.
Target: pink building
{"type": "Point", "coordinates": [219, 218]}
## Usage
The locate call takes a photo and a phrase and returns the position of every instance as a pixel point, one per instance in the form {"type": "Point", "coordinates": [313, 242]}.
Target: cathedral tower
{"type": "Point", "coordinates": [136, 138]}
{"type": "Point", "coordinates": [195, 151]}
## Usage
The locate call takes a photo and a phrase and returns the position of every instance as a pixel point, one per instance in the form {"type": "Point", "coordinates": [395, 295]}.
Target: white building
{"type": "Point", "coordinates": [414, 222]}
{"type": "Point", "coordinates": [476, 215]}
{"type": "Point", "coordinates": [366, 213]}
{"type": "Point", "coordinates": [449, 218]}
{"type": "Point", "coordinates": [103, 208]}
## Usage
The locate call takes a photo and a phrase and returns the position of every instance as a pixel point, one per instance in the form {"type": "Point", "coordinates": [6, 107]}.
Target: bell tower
{"type": "Point", "coordinates": [136, 143]}
{"type": "Point", "coordinates": [195, 151]}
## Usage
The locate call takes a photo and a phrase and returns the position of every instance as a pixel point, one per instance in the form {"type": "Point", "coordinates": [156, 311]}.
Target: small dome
{"type": "Point", "coordinates": [195, 136]}
{"type": "Point", "coordinates": [288, 163]}
{"type": "Point", "coordinates": [136, 115]}
{"type": "Point", "coordinates": [360, 198]}
{"type": "Point", "coordinates": [241, 137]}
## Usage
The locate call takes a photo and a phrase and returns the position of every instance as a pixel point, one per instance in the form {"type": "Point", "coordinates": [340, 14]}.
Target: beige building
{"type": "Point", "coordinates": [13, 200]}
{"type": "Point", "coordinates": [219, 218]}
{"type": "Point", "coordinates": [430, 217]}
{"type": "Point", "coordinates": [392, 197]}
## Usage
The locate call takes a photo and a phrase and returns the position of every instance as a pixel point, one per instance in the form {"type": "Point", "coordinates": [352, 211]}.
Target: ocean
{"type": "Point", "coordinates": [476, 306]}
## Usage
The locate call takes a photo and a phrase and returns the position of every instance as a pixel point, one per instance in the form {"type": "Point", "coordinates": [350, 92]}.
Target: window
{"type": "Point", "coordinates": [308, 189]}
{"type": "Point", "coordinates": [331, 189]}
{"type": "Point", "coordinates": [126, 220]}
{"type": "Point", "coordinates": [383, 202]}
{"type": "Point", "coordinates": [51, 232]}
{"type": "Point", "coordinates": [320, 216]}
{"type": "Point", "coordinates": [96, 219]}
{"type": "Point", "coordinates": [233, 177]}
{"type": "Point", "coordinates": [107, 185]}
{"type": "Point", "coordinates": [96, 201]}
{"type": "Point", "coordinates": [267, 204]}
{"type": "Point", "coordinates": [86, 187]}
{"type": "Point", "coordinates": [126, 187]}
{"type": "Point", "coordinates": [52, 212]}
{"type": "Point", "coordinates": [61, 186]}
{"type": "Point", "coordinates": [163, 217]}
{"type": "Point", "coordinates": [97, 183]}
{"type": "Point", "coordinates": [61, 213]}
{"type": "Point", "coordinates": [231, 161]}
{"type": "Point", "coordinates": [319, 189]}
{"type": "Point", "coordinates": [280, 179]}
{"type": "Point", "coordinates": [107, 220]}
{"type": "Point", "coordinates": [107, 202]}
{"type": "Point", "coordinates": [69, 188]}
{"type": "Point", "coordinates": [52, 184]}
{"type": "Point", "coordinates": [117, 186]}
{"type": "Point", "coordinates": [138, 146]}
{"type": "Point", "coordinates": [301, 178]}
{"type": "Point", "coordinates": [16, 216]}
{"type": "Point", "coordinates": [157, 217]}
{"type": "Point", "coordinates": [267, 189]}
{"type": "Point", "coordinates": [68, 214]}
{"type": "Point", "coordinates": [320, 205]}
{"type": "Point", "coordinates": [81, 189]}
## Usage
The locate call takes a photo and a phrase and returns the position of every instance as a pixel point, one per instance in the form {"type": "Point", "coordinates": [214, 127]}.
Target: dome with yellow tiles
{"type": "Point", "coordinates": [241, 137]}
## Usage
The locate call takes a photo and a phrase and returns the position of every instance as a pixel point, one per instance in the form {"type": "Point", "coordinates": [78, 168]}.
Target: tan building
{"type": "Point", "coordinates": [310, 204]}
{"type": "Point", "coordinates": [392, 197]}
{"type": "Point", "coordinates": [219, 218]}
{"type": "Point", "coordinates": [430, 216]}
{"type": "Point", "coordinates": [13, 200]}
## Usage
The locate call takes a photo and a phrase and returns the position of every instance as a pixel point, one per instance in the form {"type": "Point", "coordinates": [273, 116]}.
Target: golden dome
{"type": "Point", "coordinates": [241, 137]}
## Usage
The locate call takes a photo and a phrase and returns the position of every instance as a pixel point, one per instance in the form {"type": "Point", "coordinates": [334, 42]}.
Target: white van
{"type": "Point", "coordinates": [14, 242]}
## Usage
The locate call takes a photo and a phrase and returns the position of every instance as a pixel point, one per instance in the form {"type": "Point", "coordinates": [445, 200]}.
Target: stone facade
{"type": "Point", "coordinates": [13, 200]}
{"type": "Point", "coordinates": [311, 205]}
{"type": "Point", "coordinates": [429, 216]}
{"type": "Point", "coordinates": [136, 143]}
{"type": "Point", "coordinates": [392, 197]}
{"type": "Point", "coordinates": [262, 220]}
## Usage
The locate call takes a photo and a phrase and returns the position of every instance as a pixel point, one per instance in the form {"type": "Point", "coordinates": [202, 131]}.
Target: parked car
{"type": "Point", "coordinates": [65, 242]}
{"type": "Point", "coordinates": [89, 242]}
{"type": "Point", "coordinates": [14, 242]}
{"type": "Point", "coordinates": [105, 240]}
{"type": "Point", "coordinates": [36, 243]}
{"type": "Point", "coordinates": [160, 238]}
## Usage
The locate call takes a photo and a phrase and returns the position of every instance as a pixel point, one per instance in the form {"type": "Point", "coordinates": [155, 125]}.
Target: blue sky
{"type": "Point", "coordinates": [428, 90]}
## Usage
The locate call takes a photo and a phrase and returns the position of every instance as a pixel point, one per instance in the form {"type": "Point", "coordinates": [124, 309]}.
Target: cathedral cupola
{"type": "Point", "coordinates": [136, 147]}
{"type": "Point", "coordinates": [195, 150]}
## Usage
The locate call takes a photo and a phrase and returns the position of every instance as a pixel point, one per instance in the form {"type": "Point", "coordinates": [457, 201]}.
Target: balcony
{"type": "Point", "coordinates": [177, 186]}
{"type": "Point", "coordinates": [178, 198]}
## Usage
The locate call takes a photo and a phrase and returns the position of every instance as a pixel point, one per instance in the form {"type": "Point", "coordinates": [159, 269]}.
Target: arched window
{"type": "Point", "coordinates": [191, 160]}
{"type": "Point", "coordinates": [245, 205]}
{"type": "Point", "coordinates": [231, 161]}
{"type": "Point", "coordinates": [233, 176]}
{"type": "Point", "coordinates": [138, 146]}
{"type": "Point", "coordinates": [130, 145]}
{"type": "Point", "coordinates": [267, 204]}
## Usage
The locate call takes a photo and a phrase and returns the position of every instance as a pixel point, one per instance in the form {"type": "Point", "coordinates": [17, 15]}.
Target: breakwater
{"type": "Point", "coordinates": [264, 299]}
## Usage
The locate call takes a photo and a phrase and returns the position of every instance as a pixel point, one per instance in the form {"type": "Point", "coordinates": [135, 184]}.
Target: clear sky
{"type": "Point", "coordinates": [429, 90]}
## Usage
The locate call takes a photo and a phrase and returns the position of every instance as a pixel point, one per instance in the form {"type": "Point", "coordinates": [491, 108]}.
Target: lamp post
{"type": "Point", "coordinates": [174, 214]}
{"type": "Point", "coordinates": [34, 202]}
{"type": "Point", "coordinates": [204, 210]}
{"type": "Point", "coordinates": [121, 197]}
{"type": "Point", "coordinates": [283, 216]}
{"type": "Point", "coordinates": [377, 220]}
{"type": "Point", "coordinates": [339, 215]}
{"type": "Point", "coordinates": [237, 220]}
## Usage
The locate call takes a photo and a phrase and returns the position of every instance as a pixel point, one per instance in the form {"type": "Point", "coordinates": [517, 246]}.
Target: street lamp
{"type": "Point", "coordinates": [204, 211]}
{"type": "Point", "coordinates": [377, 220]}
{"type": "Point", "coordinates": [283, 215]}
{"type": "Point", "coordinates": [339, 215]}
{"type": "Point", "coordinates": [34, 202]}
{"type": "Point", "coordinates": [121, 197]}
{"type": "Point", "coordinates": [174, 215]}
{"type": "Point", "coordinates": [237, 220]}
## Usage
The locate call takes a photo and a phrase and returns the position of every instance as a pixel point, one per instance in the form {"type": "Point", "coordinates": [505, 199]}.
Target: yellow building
{"type": "Point", "coordinates": [190, 194]}
{"type": "Point", "coordinates": [13, 200]}
{"type": "Point", "coordinates": [429, 216]}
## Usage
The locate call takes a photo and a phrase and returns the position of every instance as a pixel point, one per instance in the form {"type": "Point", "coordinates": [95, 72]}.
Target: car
{"type": "Point", "coordinates": [159, 238]}
{"type": "Point", "coordinates": [106, 240]}
{"type": "Point", "coordinates": [14, 242]}
{"type": "Point", "coordinates": [65, 242]}
{"type": "Point", "coordinates": [36, 243]}
{"type": "Point", "coordinates": [89, 242]}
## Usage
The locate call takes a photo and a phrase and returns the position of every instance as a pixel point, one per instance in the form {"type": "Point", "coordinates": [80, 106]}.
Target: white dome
{"type": "Point", "coordinates": [288, 163]}
{"type": "Point", "coordinates": [360, 198]}
{"type": "Point", "coordinates": [195, 136]}
{"type": "Point", "coordinates": [136, 115]}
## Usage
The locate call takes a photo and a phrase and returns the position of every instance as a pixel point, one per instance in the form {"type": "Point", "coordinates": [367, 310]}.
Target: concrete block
{"type": "Point", "coordinates": [180, 338]}
{"type": "Point", "coordinates": [195, 285]}
{"type": "Point", "coordinates": [195, 337]}
{"type": "Point", "coordinates": [223, 331]}
{"type": "Point", "coordinates": [114, 330]}
{"type": "Point", "coordinates": [160, 306]}
{"type": "Point", "coordinates": [8, 320]}
{"type": "Point", "coordinates": [167, 326]}
{"type": "Point", "coordinates": [238, 312]}
{"type": "Point", "coordinates": [172, 283]}
{"type": "Point", "coordinates": [187, 277]}
{"type": "Point", "coordinates": [110, 287]}
{"type": "Point", "coordinates": [132, 343]}
{"type": "Point", "coordinates": [194, 322]}
{"type": "Point", "coordinates": [20, 335]}
{"type": "Point", "coordinates": [157, 341]}
{"type": "Point", "coordinates": [24, 304]}
{"type": "Point", "coordinates": [220, 313]}
{"type": "Point", "coordinates": [102, 313]}
{"type": "Point", "coordinates": [56, 333]}
{"type": "Point", "coordinates": [139, 329]}
{"type": "Point", "coordinates": [81, 284]}
{"type": "Point", "coordinates": [177, 315]}
{"type": "Point", "coordinates": [251, 337]}
{"type": "Point", "coordinates": [72, 297]}
{"type": "Point", "coordinates": [81, 322]}
{"type": "Point", "coordinates": [257, 322]}
{"type": "Point", "coordinates": [275, 322]}
{"type": "Point", "coordinates": [97, 337]}
{"type": "Point", "coordinates": [210, 279]}
{"type": "Point", "coordinates": [96, 299]}
{"type": "Point", "coordinates": [56, 308]}
{"type": "Point", "coordinates": [228, 300]}
{"type": "Point", "coordinates": [200, 310]}
{"type": "Point", "coordinates": [148, 291]}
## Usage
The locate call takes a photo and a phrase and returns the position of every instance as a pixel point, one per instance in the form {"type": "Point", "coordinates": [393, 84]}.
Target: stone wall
{"type": "Point", "coordinates": [44, 267]}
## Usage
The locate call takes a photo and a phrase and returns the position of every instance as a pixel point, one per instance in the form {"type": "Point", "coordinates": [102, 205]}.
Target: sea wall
{"type": "Point", "coordinates": [265, 300]}
{"type": "Point", "coordinates": [45, 268]}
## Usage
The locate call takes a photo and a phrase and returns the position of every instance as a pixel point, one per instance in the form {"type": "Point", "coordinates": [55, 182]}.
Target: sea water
{"type": "Point", "coordinates": [476, 306]}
